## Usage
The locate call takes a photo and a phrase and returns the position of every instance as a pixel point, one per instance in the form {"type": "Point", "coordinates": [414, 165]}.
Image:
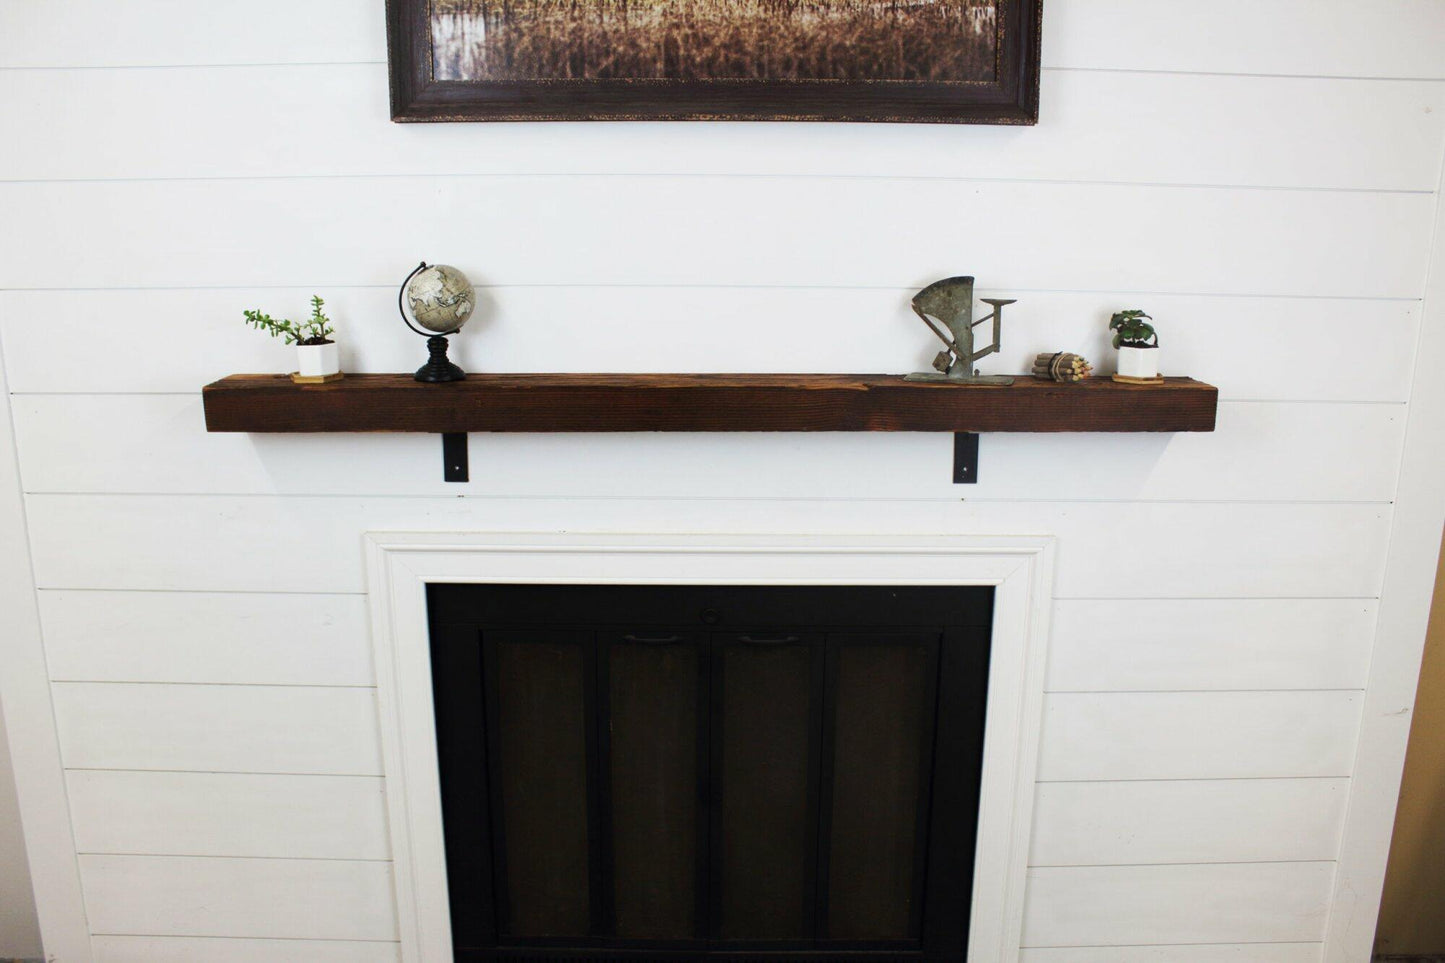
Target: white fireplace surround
{"type": "Point", "coordinates": [401, 565]}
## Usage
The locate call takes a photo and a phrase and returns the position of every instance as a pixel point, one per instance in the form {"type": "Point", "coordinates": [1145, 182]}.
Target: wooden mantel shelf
{"type": "Point", "coordinates": [701, 402]}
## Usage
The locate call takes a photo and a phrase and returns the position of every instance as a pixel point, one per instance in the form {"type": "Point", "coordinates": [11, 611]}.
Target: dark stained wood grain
{"type": "Point", "coordinates": [700, 402]}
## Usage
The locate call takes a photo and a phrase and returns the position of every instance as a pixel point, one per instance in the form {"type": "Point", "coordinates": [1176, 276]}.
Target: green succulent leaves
{"type": "Point", "coordinates": [316, 329]}
{"type": "Point", "coordinates": [1130, 330]}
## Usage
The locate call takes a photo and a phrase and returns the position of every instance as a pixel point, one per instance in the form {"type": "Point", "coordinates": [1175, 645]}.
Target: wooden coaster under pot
{"type": "Point", "coordinates": [1126, 380]}
{"type": "Point", "coordinates": [302, 379]}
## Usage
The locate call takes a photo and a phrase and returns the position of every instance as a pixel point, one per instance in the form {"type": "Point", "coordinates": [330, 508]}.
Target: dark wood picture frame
{"type": "Point", "coordinates": [1012, 97]}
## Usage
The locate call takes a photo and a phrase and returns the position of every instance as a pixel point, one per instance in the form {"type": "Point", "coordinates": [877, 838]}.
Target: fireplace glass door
{"type": "Point", "coordinates": [703, 772]}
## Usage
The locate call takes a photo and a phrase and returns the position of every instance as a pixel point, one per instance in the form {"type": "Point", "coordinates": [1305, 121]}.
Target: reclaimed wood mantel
{"type": "Point", "coordinates": [701, 402]}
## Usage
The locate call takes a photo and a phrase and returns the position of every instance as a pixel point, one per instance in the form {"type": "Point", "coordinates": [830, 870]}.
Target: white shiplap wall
{"type": "Point", "coordinates": [1261, 174]}
{"type": "Point", "coordinates": [19, 929]}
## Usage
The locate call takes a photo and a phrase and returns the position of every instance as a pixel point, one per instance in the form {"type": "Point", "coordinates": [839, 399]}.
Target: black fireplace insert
{"type": "Point", "coordinates": [710, 772]}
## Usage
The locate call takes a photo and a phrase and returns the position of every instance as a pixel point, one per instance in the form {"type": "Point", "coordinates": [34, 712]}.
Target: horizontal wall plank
{"type": "Point", "coordinates": [758, 231]}
{"type": "Point", "coordinates": [1210, 953]}
{"type": "Point", "coordinates": [1303, 132]}
{"type": "Point", "coordinates": [204, 637]}
{"type": "Point", "coordinates": [86, 33]}
{"type": "Point", "coordinates": [594, 328]}
{"type": "Point", "coordinates": [314, 544]}
{"type": "Point", "coordinates": [1383, 38]}
{"type": "Point", "coordinates": [1224, 821]}
{"type": "Point", "coordinates": [1197, 735]}
{"type": "Point", "coordinates": [279, 898]}
{"type": "Point", "coordinates": [222, 728]}
{"type": "Point", "coordinates": [1095, 736]}
{"type": "Point", "coordinates": [1395, 38]}
{"type": "Point", "coordinates": [1211, 644]}
{"type": "Point", "coordinates": [1241, 903]}
{"type": "Point", "coordinates": [228, 814]}
{"type": "Point", "coordinates": [180, 949]}
{"type": "Point", "coordinates": [158, 444]}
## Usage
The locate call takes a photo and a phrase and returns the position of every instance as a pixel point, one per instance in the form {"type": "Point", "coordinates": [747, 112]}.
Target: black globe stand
{"type": "Point", "coordinates": [438, 368]}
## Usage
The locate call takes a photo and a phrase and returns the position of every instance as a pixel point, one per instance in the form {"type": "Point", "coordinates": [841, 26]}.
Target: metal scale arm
{"type": "Point", "coordinates": [950, 301]}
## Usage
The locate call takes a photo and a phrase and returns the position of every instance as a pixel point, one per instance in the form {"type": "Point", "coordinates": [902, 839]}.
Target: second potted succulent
{"type": "Point", "coordinates": [316, 354]}
{"type": "Point", "coordinates": [1137, 342]}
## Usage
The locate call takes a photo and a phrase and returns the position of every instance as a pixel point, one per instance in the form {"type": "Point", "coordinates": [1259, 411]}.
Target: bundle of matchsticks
{"type": "Point", "coordinates": [1061, 366]}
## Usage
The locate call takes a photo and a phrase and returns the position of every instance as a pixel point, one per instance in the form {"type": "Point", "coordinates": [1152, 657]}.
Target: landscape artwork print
{"type": "Point", "coordinates": [958, 61]}
{"type": "Point", "coordinates": [713, 39]}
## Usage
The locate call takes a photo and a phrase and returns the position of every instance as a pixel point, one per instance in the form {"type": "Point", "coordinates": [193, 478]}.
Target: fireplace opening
{"type": "Point", "coordinates": [709, 772]}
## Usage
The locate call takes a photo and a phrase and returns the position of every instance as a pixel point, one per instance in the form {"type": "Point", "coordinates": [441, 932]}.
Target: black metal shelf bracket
{"type": "Point", "coordinates": [454, 456]}
{"type": "Point", "coordinates": [965, 458]}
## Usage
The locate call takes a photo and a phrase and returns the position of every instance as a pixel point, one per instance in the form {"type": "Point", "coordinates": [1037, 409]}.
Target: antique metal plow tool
{"type": "Point", "coordinates": [951, 302]}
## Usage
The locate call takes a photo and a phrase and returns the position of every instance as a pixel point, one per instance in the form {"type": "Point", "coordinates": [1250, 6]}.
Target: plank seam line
{"type": "Point", "coordinates": [231, 936]}
{"type": "Point", "coordinates": [67, 68]}
{"type": "Point", "coordinates": [1045, 782]}
{"type": "Point", "coordinates": [548, 285]}
{"type": "Point", "coordinates": [262, 685]}
{"type": "Point", "coordinates": [1402, 78]}
{"type": "Point", "coordinates": [225, 772]}
{"type": "Point", "coordinates": [1082, 501]}
{"type": "Point", "coordinates": [1192, 780]}
{"type": "Point", "coordinates": [745, 499]}
{"type": "Point", "coordinates": [1198, 598]}
{"type": "Point", "coordinates": [1294, 401]}
{"type": "Point", "coordinates": [233, 772]}
{"type": "Point", "coordinates": [185, 591]}
{"type": "Point", "coordinates": [253, 685]}
{"type": "Point", "coordinates": [1225, 862]}
{"type": "Point", "coordinates": [281, 859]}
{"type": "Point", "coordinates": [1268, 689]}
{"type": "Point", "coordinates": [1126, 946]}
{"type": "Point", "coordinates": [719, 176]}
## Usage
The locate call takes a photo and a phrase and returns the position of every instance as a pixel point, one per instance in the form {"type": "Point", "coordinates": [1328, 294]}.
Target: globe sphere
{"type": "Point", "coordinates": [441, 298]}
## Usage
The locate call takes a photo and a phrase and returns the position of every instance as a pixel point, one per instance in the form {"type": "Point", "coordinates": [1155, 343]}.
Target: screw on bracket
{"type": "Point", "coordinates": [965, 458]}
{"type": "Point", "coordinates": [454, 456]}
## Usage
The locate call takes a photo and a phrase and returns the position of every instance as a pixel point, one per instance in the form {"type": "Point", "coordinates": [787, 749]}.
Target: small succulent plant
{"type": "Point", "coordinates": [316, 329]}
{"type": "Point", "coordinates": [1132, 331]}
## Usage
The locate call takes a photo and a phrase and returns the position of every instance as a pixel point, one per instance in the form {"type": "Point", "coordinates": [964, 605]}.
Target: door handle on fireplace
{"type": "Point", "coordinates": [653, 640]}
{"type": "Point", "coordinates": [749, 640]}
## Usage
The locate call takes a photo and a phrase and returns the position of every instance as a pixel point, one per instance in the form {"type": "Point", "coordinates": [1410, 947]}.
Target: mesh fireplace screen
{"type": "Point", "coordinates": [709, 772]}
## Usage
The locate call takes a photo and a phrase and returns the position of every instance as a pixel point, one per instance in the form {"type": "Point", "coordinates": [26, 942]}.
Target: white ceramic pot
{"type": "Point", "coordinates": [317, 360]}
{"type": "Point", "coordinates": [1139, 362]}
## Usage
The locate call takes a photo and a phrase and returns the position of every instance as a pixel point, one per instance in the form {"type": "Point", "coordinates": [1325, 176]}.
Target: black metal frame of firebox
{"type": "Point", "coordinates": [956, 618]}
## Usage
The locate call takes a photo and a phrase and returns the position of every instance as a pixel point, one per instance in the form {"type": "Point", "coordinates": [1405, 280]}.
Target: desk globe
{"type": "Point", "coordinates": [440, 299]}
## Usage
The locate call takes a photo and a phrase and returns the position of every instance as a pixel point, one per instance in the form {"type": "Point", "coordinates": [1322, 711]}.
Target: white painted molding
{"type": "Point", "coordinates": [401, 565]}
{"type": "Point", "coordinates": [1399, 635]}
{"type": "Point", "coordinates": [30, 723]}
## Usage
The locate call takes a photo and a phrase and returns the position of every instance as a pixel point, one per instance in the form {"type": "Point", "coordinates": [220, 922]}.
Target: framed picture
{"type": "Point", "coordinates": [904, 61]}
